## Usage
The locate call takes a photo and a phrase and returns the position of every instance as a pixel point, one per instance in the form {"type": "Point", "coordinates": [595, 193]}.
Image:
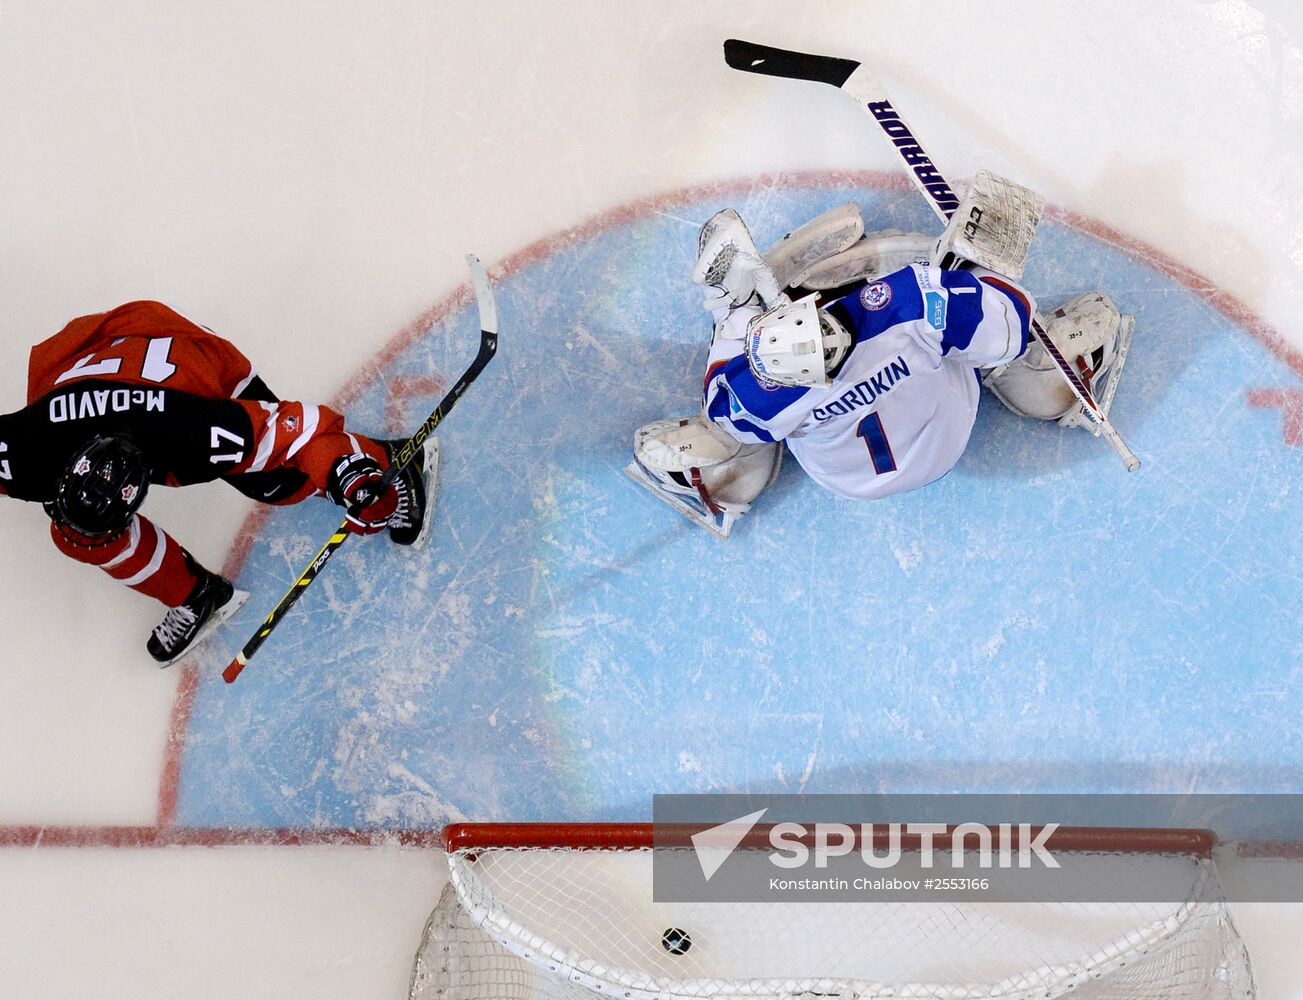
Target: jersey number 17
{"type": "Point", "coordinates": [154, 367]}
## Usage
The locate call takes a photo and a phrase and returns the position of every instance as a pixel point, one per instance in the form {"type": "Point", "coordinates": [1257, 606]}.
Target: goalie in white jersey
{"type": "Point", "coordinates": [872, 378]}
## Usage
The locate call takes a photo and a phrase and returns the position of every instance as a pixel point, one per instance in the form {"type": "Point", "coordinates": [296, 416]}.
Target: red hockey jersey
{"type": "Point", "coordinates": [145, 370]}
{"type": "Point", "coordinates": [140, 343]}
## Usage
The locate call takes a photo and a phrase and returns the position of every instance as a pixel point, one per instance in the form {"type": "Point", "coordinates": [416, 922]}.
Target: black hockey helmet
{"type": "Point", "coordinates": [103, 486]}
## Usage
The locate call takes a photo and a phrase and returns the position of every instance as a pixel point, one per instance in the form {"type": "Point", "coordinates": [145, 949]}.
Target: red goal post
{"type": "Point", "coordinates": [464, 837]}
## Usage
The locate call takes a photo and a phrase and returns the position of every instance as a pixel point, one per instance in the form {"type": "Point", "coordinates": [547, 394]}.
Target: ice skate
{"type": "Point", "coordinates": [701, 472]}
{"type": "Point", "coordinates": [411, 522]}
{"type": "Point", "coordinates": [212, 600]}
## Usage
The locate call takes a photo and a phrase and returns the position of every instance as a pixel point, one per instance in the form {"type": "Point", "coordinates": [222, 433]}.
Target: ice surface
{"type": "Point", "coordinates": [304, 177]}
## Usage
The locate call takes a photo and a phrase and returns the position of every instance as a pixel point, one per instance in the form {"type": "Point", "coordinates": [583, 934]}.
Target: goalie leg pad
{"type": "Point", "coordinates": [871, 257]}
{"type": "Point", "coordinates": [1093, 335]}
{"type": "Point", "coordinates": [792, 257]}
{"type": "Point", "coordinates": [679, 445]}
{"type": "Point", "coordinates": [711, 482]}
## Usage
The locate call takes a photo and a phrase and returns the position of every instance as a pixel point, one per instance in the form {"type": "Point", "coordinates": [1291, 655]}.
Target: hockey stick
{"type": "Point", "coordinates": [860, 83]}
{"type": "Point", "coordinates": [488, 346]}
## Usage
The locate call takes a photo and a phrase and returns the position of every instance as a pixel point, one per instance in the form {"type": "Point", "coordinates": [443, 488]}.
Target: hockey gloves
{"type": "Point", "coordinates": [352, 484]}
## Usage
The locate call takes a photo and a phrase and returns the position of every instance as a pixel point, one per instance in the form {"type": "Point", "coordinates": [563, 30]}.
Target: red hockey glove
{"type": "Point", "coordinates": [352, 484]}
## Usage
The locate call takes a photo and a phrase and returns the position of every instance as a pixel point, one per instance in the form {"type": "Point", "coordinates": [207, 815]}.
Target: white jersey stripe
{"type": "Point", "coordinates": [133, 543]}
{"type": "Point", "coordinates": [311, 418]}
{"type": "Point", "coordinates": [244, 382]}
{"type": "Point", "coordinates": [155, 561]}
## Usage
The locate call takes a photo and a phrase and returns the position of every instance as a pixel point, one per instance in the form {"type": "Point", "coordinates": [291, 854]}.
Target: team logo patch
{"type": "Point", "coordinates": [290, 423]}
{"type": "Point", "coordinates": [129, 493]}
{"type": "Point", "coordinates": [875, 296]}
{"type": "Point", "coordinates": [82, 467]}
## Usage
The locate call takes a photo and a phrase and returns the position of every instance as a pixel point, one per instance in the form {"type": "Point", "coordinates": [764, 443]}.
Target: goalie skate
{"type": "Point", "coordinates": [698, 470]}
{"type": "Point", "coordinates": [1095, 337]}
{"type": "Point", "coordinates": [1110, 373]}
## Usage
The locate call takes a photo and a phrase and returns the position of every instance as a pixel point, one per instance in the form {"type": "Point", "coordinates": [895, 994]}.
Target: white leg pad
{"type": "Point", "coordinates": [804, 247]}
{"type": "Point", "coordinates": [1093, 335]}
{"type": "Point", "coordinates": [711, 481]}
{"type": "Point", "coordinates": [679, 445]}
{"type": "Point", "coordinates": [871, 257]}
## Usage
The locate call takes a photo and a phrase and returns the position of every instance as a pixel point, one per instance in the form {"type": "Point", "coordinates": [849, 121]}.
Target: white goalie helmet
{"type": "Point", "coordinates": [796, 344]}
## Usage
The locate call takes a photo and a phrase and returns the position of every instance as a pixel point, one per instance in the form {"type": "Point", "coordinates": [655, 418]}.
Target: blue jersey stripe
{"type": "Point", "coordinates": [748, 427]}
{"type": "Point", "coordinates": [719, 411]}
{"type": "Point", "coordinates": [760, 402]}
{"type": "Point", "coordinates": [905, 305]}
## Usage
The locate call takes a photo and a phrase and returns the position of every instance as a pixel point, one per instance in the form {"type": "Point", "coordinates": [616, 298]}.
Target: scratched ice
{"type": "Point", "coordinates": [566, 646]}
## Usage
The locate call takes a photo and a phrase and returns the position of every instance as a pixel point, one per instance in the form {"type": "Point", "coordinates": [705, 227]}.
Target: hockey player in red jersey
{"type": "Point", "coordinates": [141, 396]}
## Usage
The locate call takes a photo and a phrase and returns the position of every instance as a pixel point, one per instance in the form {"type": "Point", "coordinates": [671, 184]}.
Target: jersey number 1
{"type": "Point", "coordinates": [875, 437]}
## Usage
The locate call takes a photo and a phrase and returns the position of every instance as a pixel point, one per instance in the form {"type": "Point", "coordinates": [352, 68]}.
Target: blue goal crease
{"type": "Point", "coordinates": [1039, 620]}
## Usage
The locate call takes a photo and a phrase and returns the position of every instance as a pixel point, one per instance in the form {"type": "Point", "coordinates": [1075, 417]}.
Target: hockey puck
{"type": "Point", "coordinates": [676, 941]}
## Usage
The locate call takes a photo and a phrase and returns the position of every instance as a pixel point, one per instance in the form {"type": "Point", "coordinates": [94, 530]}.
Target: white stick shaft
{"type": "Point", "coordinates": [868, 90]}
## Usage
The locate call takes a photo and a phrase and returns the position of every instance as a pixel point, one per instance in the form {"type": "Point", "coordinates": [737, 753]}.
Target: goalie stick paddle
{"type": "Point", "coordinates": [857, 80]}
{"type": "Point", "coordinates": [488, 347]}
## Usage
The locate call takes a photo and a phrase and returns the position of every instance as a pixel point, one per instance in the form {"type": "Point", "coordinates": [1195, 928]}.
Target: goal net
{"type": "Point", "coordinates": [566, 913]}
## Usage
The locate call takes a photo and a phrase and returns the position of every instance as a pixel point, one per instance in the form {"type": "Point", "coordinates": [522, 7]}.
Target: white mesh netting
{"type": "Point", "coordinates": [574, 923]}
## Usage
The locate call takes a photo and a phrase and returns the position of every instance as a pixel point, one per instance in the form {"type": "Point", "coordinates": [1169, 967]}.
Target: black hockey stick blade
{"type": "Point", "coordinates": [766, 60]}
{"type": "Point", "coordinates": [488, 348]}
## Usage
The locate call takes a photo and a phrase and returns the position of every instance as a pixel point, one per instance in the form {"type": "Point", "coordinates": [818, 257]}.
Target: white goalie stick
{"type": "Point", "coordinates": [858, 81]}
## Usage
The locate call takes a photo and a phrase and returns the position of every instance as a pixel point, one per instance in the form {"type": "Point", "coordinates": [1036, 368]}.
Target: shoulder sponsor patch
{"type": "Point", "coordinates": [875, 296]}
{"type": "Point", "coordinates": [934, 309]}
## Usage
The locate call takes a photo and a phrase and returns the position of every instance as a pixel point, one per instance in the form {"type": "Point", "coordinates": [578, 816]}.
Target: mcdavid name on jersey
{"type": "Point", "coordinates": [97, 402]}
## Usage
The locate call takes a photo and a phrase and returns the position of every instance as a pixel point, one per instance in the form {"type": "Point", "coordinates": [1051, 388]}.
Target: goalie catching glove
{"type": "Point", "coordinates": [730, 267]}
{"type": "Point", "coordinates": [992, 227]}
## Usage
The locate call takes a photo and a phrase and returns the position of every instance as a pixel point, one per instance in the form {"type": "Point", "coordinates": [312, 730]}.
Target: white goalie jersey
{"type": "Point", "coordinates": [902, 404]}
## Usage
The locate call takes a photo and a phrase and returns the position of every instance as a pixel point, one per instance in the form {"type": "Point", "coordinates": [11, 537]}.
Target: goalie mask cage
{"type": "Point", "coordinates": [565, 912]}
